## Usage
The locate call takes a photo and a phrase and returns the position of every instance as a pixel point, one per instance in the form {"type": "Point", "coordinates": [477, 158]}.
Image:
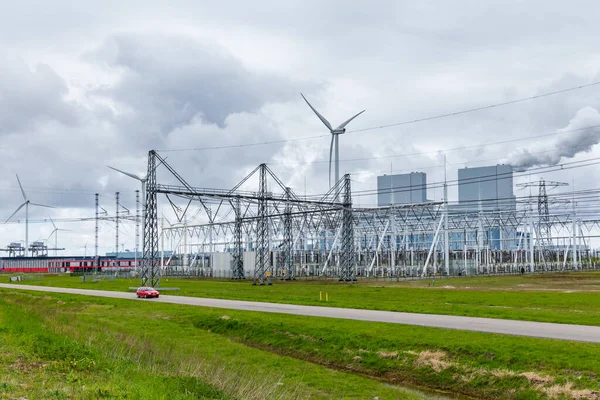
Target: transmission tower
{"type": "Point", "coordinates": [544, 231]}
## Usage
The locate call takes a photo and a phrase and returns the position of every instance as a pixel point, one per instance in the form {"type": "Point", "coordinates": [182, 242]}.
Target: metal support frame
{"type": "Point", "coordinates": [117, 227]}
{"type": "Point", "coordinates": [262, 272]}
{"type": "Point", "coordinates": [289, 269]}
{"type": "Point", "coordinates": [150, 264]}
{"type": "Point", "coordinates": [348, 262]}
{"type": "Point", "coordinates": [237, 266]}
{"type": "Point", "coordinates": [137, 226]}
{"type": "Point", "coordinates": [96, 236]}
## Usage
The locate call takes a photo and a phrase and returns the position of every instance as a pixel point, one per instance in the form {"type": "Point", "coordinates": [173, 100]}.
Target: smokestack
{"type": "Point", "coordinates": [586, 134]}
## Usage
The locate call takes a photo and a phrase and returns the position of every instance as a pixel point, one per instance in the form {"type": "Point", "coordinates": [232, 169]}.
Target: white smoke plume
{"type": "Point", "coordinates": [583, 133]}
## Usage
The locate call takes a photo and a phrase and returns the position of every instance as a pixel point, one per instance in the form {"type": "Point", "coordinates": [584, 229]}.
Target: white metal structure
{"type": "Point", "coordinates": [25, 204]}
{"type": "Point", "coordinates": [334, 138]}
{"type": "Point", "coordinates": [55, 233]}
{"type": "Point", "coordinates": [143, 180]}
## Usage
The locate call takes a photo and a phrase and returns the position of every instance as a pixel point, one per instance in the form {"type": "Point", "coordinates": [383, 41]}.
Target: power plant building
{"type": "Point", "coordinates": [487, 188]}
{"type": "Point", "coordinates": [402, 189]}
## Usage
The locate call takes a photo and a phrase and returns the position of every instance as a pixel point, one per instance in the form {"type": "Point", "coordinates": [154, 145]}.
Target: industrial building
{"type": "Point", "coordinates": [401, 189]}
{"type": "Point", "coordinates": [487, 188]}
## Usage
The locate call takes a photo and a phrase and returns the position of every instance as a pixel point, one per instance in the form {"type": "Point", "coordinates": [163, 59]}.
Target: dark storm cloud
{"type": "Point", "coordinates": [30, 96]}
{"type": "Point", "coordinates": [167, 82]}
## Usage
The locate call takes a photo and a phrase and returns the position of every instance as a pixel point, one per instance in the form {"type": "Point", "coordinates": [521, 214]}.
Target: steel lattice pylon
{"type": "Point", "coordinates": [545, 240]}
{"type": "Point", "coordinates": [348, 263]}
{"type": "Point", "coordinates": [237, 267]}
{"type": "Point", "coordinates": [262, 273]}
{"type": "Point", "coordinates": [289, 271]}
{"type": "Point", "coordinates": [150, 263]}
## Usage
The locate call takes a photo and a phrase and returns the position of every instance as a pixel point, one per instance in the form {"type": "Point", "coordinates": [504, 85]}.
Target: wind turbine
{"type": "Point", "coordinates": [334, 138]}
{"type": "Point", "coordinates": [143, 181]}
{"type": "Point", "coordinates": [26, 204]}
{"type": "Point", "coordinates": [85, 253]}
{"type": "Point", "coordinates": [55, 233]}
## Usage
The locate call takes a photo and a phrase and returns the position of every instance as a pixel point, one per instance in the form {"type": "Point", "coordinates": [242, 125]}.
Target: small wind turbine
{"type": "Point", "coordinates": [143, 181]}
{"type": "Point", "coordinates": [55, 233]}
{"type": "Point", "coordinates": [85, 251]}
{"type": "Point", "coordinates": [334, 137]}
{"type": "Point", "coordinates": [26, 203]}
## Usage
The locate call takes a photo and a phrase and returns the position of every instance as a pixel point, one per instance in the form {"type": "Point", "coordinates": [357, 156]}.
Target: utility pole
{"type": "Point", "coordinates": [96, 238]}
{"type": "Point", "coordinates": [446, 239]}
{"type": "Point", "coordinates": [137, 227]}
{"type": "Point", "coordinates": [117, 233]}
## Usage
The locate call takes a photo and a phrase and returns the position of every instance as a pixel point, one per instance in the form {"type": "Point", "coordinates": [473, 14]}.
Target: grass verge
{"type": "Point", "coordinates": [530, 298]}
{"type": "Point", "coordinates": [306, 357]}
{"type": "Point", "coordinates": [67, 347]}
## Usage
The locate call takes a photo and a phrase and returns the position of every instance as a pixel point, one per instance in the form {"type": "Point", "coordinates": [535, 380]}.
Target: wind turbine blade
{"type": "Point", "coordinates": [51, 220]}
{"type": "Point", "coordinates": [52, 233]}
{"type": "Point", "coordinates": [170, 224]}
{"type": "Point", "coordinates": [126, 173]}
{"type": "Point", "coordinates": [343, 125]}
{"type": "Point", "coordinates": [145, 178]}
{"type": "Point", "coordinates": [21, 186]}
{"type": "Point", "coordinates": [330, 154]}
{"type": "Point", "coordinates": [16, 211]}
{"type": "Point", "coordinates": [41, 205]}
{"type": "Point", "coordinates": [322, 118]}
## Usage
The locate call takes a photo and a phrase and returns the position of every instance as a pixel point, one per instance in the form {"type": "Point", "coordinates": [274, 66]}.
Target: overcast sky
{"type": "Point", "coordinates": [88, 84]}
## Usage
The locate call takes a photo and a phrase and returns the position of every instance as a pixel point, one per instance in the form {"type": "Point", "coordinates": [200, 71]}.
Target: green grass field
{"type": "Point", "coordinates": [562, 298]}
{"type": "Point", "coordinates": [68, 346]}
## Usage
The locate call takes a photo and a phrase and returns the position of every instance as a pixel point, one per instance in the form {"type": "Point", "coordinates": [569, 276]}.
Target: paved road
{"type": "Point", "coordinates": [579, 333]}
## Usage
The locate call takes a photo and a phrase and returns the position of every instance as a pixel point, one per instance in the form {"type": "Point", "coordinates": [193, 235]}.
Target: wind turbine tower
{"type": "Point", "coordinates": [25, 204]}
{"type": "Point", "coordinates": [55, 233]}
{"type": "Point", "coordinates": [335, 133]}
{"type": "Point", "coordinates": [143, 180]}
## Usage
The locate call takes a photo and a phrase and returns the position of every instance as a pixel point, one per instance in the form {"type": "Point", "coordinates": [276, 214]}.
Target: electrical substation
{"type": "Point", "coordinates": [271, 233]}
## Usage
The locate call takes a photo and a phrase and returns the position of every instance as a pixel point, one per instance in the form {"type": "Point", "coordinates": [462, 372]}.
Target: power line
{"type": "Point", "coordinates": [453, 148]}
{"type": "Point", "coordinates": [471, 161]}
{"type": "Point", "coordinates": [477, 108]}
{"type": "Point", "coordinates": [413, 121]}
{"type": "Point", "coordinates": [492, 177]}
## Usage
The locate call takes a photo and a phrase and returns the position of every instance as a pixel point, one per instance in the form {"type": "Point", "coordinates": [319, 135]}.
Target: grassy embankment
{"type": "Point", "coordinates": [66, 347]}
{"type": "Point", "coordinates": [563, 298]}
{"type": "Point", "coordinates": [239, 354]}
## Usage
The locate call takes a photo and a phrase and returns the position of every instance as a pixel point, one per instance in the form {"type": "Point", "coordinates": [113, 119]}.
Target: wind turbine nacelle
{"type": "Point", "coordinates": [338, 131]}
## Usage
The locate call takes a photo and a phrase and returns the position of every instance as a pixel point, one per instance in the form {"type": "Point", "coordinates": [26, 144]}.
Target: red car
{"type": "Point", "coordinates": [147, 291]}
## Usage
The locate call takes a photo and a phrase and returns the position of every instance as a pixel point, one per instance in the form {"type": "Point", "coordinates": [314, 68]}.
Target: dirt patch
{"type": "Point", "coordinates": [225, 317]}
{"type": "Point", "coordinates": [434, 359]}
{"type": "Point", "coordinates": [537, 379]}
{"type": "Point", "coordinates": [558, 391]}
{"type": "Point", "coordinates": [23, 366]}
